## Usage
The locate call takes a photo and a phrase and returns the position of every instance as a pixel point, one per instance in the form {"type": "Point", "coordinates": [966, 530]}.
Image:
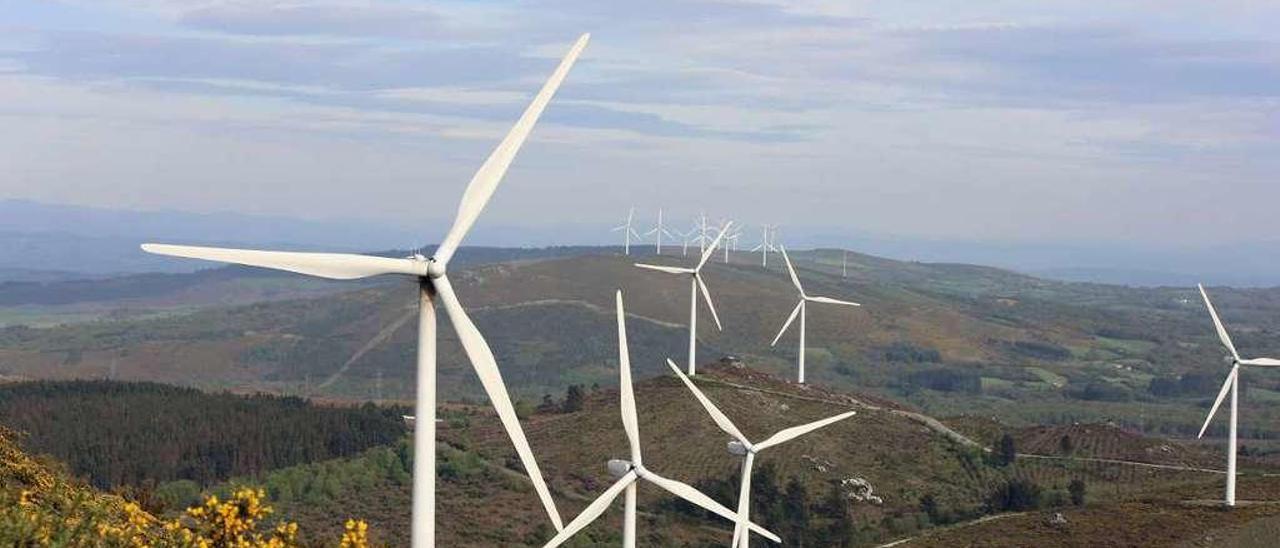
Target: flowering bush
{"type": "Point", "coordinates": [40, 508]}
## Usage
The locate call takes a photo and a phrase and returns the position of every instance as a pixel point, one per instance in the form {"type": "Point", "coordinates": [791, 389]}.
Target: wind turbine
{"type": "Point", "coordinates": [701, 228]}
{"type": "Point", "coordinates": [844, 265]}
{"type": "Point", "coordinates": [432, 283]}
{"type": "Point", "coordinates": [627, 231]}
{"type": "Point", "coordinates": [688, 237]}
{"type": "Point", "coordinates": [1232, 384]}
{"type": "Point", "coordinates": [800, 309]}
{"type": "Point", "coordinates": [629, 473]}
{"type": "Point", "coordinates": [743, 447]}
{"type": "Point", "coordinates": [765, 245]}
{"type": "Point", "coordinates": [695, 284]}
{"type": "Point", "coordinates": [658, 231]}
{"type": "Point", "coordinates": [730, 241]}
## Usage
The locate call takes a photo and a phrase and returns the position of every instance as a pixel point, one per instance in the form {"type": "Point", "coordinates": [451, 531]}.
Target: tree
{"type": "Point", "coordinates": [1006, 451]}
{"type": "Point", "coordinates": [795, 511]}
{"type": "Point", "coordinates": [839, 532]}
{"type": "Point", "coordinates": [1065, 445]}
{"type": "Point", "coordinates": [1015, 495]}
{"type": "Point", "coordinates": [573, 399]}
{"type": "Point", "coordinates": [929, 505]}
{"type": "Point", "coordinates": [1077, 490]}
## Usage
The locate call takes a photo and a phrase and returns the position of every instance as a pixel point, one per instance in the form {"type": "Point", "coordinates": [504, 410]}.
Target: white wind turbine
{"type": "Point", "coordinates": [767, 232]}
{"type": "Point", "coordinates": [629, 473]}
{"type": "Point", "coordinates": [701, 228]}
{"type": "Point", "coordinates": [658, 231]}
{"type": "Point", "coordinates": [800, 309]}
{"type": "Point", "coordinates": [695, 284]}
{"type": "Point", "coordinates": [432, 282]}
{"type": "Point", "coordinates": [743, 447]}
{"type": "Point", "coordinates": [627, 231]}
{"type": "Point", "coordinates": [688, 237]}
{"type": "Point", "coordinates": [1232, 384]}
{"type": "Point", "coordinates": [731, 243]}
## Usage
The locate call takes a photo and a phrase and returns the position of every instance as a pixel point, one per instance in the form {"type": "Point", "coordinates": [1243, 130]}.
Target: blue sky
{"type": "Point", "coordinates": [1154, 122]}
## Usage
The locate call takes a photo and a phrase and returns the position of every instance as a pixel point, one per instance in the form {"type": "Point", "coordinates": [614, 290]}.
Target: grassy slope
{"type": "Point", "coordinates": [540, 318]}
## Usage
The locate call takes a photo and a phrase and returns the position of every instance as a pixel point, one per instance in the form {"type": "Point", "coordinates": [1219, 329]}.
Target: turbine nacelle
{"type": "Point", "coordinates": [619, 467]}
{"type": "Point", "coordinates": [738, 449]}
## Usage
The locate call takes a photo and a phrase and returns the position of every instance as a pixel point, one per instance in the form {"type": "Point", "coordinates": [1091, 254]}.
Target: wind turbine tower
{"type": "Point", "coordinates": [629, 473]}
{"type": "Point", "coordinates": [433, 283]}
{"type": "Point", "coordinates": [658, 231]}
{"type": "Point", "coordinates": [800, 310]}
{"type": "Point", "coordinates": [1232, 384]}
{"type": "Point", "coordinates": [695, 285]}
{"type": "Point", "coordinates": [627, 231]}
{"type": "Point", "coordinates": [742, 447]}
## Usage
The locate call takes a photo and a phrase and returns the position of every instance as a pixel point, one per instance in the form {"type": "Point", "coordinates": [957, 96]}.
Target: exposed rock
{"type": "Point", "coordinates": [860, 490]}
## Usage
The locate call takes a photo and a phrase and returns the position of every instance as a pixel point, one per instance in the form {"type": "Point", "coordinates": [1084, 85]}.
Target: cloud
{"type": "Point", "coordinates": [985, 119]}
{"type": "Point", "coordinates": [326, 19]}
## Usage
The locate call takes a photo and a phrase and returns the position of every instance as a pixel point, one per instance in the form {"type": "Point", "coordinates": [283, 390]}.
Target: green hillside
{"type": "Point", "coordinates": [949, 339]}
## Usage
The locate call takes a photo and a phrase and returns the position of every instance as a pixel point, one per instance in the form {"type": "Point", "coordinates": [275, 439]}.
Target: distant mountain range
{"type": "Point", "coordinates": [95, 241]}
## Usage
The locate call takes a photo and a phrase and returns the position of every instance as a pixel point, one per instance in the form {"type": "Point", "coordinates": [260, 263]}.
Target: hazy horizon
{"type": "Point", "coordinates": [104, 240]}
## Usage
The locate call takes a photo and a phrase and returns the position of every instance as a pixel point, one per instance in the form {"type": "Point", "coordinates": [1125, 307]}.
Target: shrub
{"type": "Point", "coordinates": [1006, 451]}
{"type": "Point", "coordinates": [1104, 391]}
{"type": "Point", "coordinates": [905, 352]}
{"type": "Point", "coordinates": [1077, 490]}
{"type": "Point", "coordinates": [946, 380]}
{"type": "Point", "coordinates": [1015, 495]}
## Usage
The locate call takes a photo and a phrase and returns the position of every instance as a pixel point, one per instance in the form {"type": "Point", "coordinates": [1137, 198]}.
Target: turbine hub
{"type": "Point", "coordinates": [737, 448]}
{"type": "Point", "coordinates": [435, 269]}
{"type": "Point", "coordinates": [619, 467]}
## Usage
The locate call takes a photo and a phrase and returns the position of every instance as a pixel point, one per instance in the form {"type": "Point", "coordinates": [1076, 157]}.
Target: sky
{"type": "Point", "coordinates": [1151, 122]}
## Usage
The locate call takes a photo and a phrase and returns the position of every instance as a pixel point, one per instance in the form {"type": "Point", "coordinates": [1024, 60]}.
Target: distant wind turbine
{"type": "Point", "coordinates": [1232, 384]}
{"type": "Point", "coordinates": [743, 447]}
{"type": "Point", "coordinates": [695, 284]}
{"type": "Point", "coordinates": [627, 231]}
{"type": "Point", "coordinates": [800, 310]}
{"type": "Point", "coordinates": [658, 231]}
{"type": "Point", "coordinates": [629, 473]}
{"type": "Point", "coordinates": [432, 282]}
{"type": "Point", "coordinates": [767, 233]}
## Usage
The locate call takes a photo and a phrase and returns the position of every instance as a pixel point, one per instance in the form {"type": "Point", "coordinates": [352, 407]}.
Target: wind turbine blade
{"type": "Point", "coordinates": [486, 368]}
{"type": "Point", "coordinates": [716, 415]}
{"type": "Point", "coordinates": [792, 271]}
{"type": "Point", "coordinates": [797, 431]}
{"type": "Point", "coordinates": [687, 492]}
{"type": "Point", "coordinates": [630, 422]}
{"type": "Point", "coordinates": [667, 269]}
{"type": "Point", "coordinates": [706, 296]}
{"type": "Point", "coordinates": [706, 254]}
{"type": "Point", "coordinates": [1226, 386]}
{"type": "Point", "coordinates": [486, 179]}
{"type": "Point", "coordinates": [794, 312]}
{"type": "Point", "coordinates": [829, 300]}
{"type": "Point", "coordinates": [1217, 323]}
{"type": "Point", "coordinates": [593, 510]}
{"type": "Point", "coordinates": [335, 266]}
{"type": "Point", "coordinates": [1265, 362]}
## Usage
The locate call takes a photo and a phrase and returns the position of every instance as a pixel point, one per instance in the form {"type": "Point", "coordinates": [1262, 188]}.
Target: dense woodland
{"type": "Point", "coordinates": [129, 434]}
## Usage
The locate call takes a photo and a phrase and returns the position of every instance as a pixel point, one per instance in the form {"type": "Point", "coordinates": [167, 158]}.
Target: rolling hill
{"type": "Point", "coordinates": [947, 338]}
